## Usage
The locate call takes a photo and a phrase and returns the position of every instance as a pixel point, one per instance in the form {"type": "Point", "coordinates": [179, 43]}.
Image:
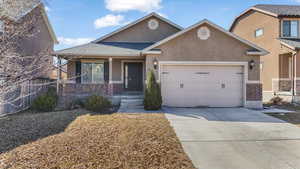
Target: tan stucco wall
{"type": "Point", "coordinates": [273, 67]}
{"type": "Point", "coordinates": [284, 65]}
{"type": "Point", "coordinates": [298, 65]}
{"type": "Point", "coordinates": [117, 71]}
{"type": "Point", "coordinates": [141, 33]}
{"type": "Point", "coordinates": [219, 47]}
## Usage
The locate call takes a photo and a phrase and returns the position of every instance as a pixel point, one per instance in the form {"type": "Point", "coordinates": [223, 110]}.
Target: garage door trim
{"type": "Point", "coordinates": [194, 63]}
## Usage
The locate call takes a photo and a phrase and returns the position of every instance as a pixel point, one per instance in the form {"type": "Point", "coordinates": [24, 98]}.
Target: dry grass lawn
{"type": "Point", "coordinates": [118, 141]}
{"type": "Point", "coordinates": [293, 118]}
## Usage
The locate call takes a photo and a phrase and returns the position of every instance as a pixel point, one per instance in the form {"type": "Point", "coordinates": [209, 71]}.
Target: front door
{"type": "Point", "coordinates": [133, 74]}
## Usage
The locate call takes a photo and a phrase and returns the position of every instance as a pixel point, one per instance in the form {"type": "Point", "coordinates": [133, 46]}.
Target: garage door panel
{"type": "Point", "coordinates": [193, 86]}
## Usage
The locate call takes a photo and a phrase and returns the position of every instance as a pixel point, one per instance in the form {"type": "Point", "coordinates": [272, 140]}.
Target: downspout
{"type": "Point", "coordinates": [294, 54]}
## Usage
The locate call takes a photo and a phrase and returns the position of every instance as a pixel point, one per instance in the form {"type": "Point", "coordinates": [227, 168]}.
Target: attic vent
{"type": "Point", "coordinates": [203, 33]}
{"type": "Point", "coordinates": [153, 24]}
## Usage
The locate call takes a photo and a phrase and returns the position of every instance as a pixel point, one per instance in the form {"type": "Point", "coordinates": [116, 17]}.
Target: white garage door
{"type": "Point", "coordinates": [198, 86]}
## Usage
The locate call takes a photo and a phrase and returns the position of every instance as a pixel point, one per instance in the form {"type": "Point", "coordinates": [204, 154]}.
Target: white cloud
{"type": "Point", "coordinates": [127, 5]}
{"type": "Point", "coordinates": [47, 9]}
{"type": "Point", "coordinates": [73, 41]}
{"type": "Point", "coordinates": [108, 20]}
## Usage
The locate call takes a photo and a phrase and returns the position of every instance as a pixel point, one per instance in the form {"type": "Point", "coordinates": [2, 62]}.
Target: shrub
{"type": "Point", "coordinates": [97, 103]}
{"type": "Point", "coordinates": [153, 99]}
{"type": "Point", "coordinates": [276, 100]}
{"type": "Point", "coordinates": [45, 102]}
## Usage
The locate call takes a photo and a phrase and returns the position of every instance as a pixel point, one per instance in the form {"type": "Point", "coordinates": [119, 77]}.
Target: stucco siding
{"type": "Point", "coordinates": [245, 27]}
{"type": "Point", "coordinates": [219, 48]}
{"type": "Point", "coordinates": [116, 72]}
{"type": "Point", "coordinates": [141, 33]}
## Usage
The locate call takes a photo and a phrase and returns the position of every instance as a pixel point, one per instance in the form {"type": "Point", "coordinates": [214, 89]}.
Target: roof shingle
{"type": "Point", "coordinates": [280, 10]}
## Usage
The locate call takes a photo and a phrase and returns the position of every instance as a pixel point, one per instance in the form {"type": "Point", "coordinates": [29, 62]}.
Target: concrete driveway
{"type": "Point", "coordinates": [226, 138]}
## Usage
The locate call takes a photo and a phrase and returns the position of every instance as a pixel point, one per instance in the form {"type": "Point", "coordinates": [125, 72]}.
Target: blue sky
{"type": "Point", "coordinates": [80, 21]}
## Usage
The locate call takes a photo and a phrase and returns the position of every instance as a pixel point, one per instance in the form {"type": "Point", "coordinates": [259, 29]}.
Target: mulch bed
{"type": "Point", "coordinates": [104, 141]}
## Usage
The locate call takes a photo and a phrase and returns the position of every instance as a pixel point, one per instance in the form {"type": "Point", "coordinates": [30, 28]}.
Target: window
{"type": "Point", "coordinates": [92, 72]}
{"type": "Point", "coordinates": [290, 28]}
{"type": "Point", "coordinates": [259, 32]}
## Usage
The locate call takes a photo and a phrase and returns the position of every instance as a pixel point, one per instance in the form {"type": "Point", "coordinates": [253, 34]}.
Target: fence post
{"type": "Point", "coordinates": [58, 74]}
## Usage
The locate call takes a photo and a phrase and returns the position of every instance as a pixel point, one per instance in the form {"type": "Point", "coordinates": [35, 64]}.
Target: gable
{"type": "Point", "coordinates": [218, 47]}
{"type": "Point", "coordinates": [255, 50]}
{"type": "Point", "coordinates": [140, 32]}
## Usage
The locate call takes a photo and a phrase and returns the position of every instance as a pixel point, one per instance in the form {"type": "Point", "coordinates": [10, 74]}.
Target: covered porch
{"type": "Point", "coordinates": [109, 69]}
{"type": "Point", "coordinates": [288, 82]}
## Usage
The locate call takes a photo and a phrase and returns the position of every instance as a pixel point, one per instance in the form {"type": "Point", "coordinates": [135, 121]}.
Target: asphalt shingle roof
{"type": "Point", "coordinates": [106, 49]}
{"type": "Point", "coordinates": [281, 10]}
{"type": "Point", "coordinates": [16, 9]}
{"type": "Point", "coordinates": [291, 42]}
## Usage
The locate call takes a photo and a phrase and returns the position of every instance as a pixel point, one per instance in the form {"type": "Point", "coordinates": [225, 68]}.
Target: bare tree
{"type": "Point", "coordinates": [16, 64]}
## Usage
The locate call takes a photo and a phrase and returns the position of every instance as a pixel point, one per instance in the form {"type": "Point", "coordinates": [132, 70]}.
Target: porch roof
{"type": "Point", "coordinates": [105, 49]}
{"type": "Point", "coordinates": [291, 43]}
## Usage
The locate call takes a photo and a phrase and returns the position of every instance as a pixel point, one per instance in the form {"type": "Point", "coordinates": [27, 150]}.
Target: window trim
{"type": "Point", "coordinates": [91, 62]}
{"type": "Point", "coordinates": [263, 32]}
{"type": "Point", "coordinates": [298, 32]}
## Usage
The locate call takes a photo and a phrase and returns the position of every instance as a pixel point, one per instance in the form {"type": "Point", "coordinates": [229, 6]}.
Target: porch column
{"type": "Point", "coordinates": [110, 85]}
{"type": "Point", "coordinates": [110, 70]}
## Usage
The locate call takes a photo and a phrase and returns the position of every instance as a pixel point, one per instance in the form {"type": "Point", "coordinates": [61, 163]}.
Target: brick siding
{"type": "Point", "coordinates": [254, 92]}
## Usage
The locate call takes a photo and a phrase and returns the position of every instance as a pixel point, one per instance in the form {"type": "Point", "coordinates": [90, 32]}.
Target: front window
{"type": "Point", "coordinates": [92, 72]}
{"type": "Point", "coordinates": [290, 28]}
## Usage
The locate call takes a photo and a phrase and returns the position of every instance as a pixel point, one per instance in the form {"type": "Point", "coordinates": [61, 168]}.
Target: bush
{"type": "Point", "coordinates": [276, 100]}
{"type": "Point", "coordinates": [45, 102]}
{"type": "Point", "coordinates": [153, 99]}
{"type": "Point", "coordinates": [97, 103]}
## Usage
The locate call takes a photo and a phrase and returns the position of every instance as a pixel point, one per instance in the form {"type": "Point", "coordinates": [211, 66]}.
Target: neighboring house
{"type": "Point", "coordinates": [202, 65]}
{"type": "Point", "coordinates": [18, 15]}
{"type": "Point", "coordinates": [43, 38]}
{"type": "Point", "coordinates": [276, 29]}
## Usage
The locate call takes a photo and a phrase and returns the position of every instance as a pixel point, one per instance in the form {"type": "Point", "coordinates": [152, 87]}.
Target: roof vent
{"type": "Point", "coordinates": [203, 33]}
{"type": "Point", "coordinates": [153, 24]}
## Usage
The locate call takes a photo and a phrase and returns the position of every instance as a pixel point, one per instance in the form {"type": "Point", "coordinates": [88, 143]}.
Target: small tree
{"type": "Point", "coordinates": [153, 99]}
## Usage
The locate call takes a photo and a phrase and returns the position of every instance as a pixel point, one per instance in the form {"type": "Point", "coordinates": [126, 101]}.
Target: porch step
{"type": "Point", "coordinates": [128, 97]}
{"type": "Point", "coordinates": [131, 102]}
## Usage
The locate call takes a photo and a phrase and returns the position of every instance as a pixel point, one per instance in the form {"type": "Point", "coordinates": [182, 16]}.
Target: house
{"type": "Point", "coordinates": [202, 65]}
{"type": "Point", "coordinates": [17, 17]}
{"type": "Point", "coordinates": [276, 29]}
{"type": "Point", "coordinates": [43, 38]}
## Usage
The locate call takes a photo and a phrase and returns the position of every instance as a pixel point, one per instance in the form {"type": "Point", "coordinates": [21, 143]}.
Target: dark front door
{"type": "Point", "coordinates": [133, 74]}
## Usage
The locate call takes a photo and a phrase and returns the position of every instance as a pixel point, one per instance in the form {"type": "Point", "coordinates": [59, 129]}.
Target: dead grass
{"type": "Point", "coordinates": [293, 118]}
{"type": "Point", "coordinates": [104, 141]}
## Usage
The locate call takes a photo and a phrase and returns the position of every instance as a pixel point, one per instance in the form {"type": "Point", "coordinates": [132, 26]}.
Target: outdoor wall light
{"type": "Point", "coordinates": [251, 64]}
{"type": "Point", "coordinates": [155, 63]}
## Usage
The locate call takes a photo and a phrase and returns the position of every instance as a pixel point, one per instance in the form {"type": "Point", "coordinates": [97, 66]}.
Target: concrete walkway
{"type": "Point", "coordinates": [236, 138]}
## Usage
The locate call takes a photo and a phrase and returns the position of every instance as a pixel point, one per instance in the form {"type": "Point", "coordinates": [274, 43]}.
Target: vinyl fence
{"type": "Point", "coordinates": [23, 95]}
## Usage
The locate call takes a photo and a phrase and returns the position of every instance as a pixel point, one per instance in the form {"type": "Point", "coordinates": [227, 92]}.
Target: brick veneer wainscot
{"type": "Point", "coordinates": [254, 92]}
